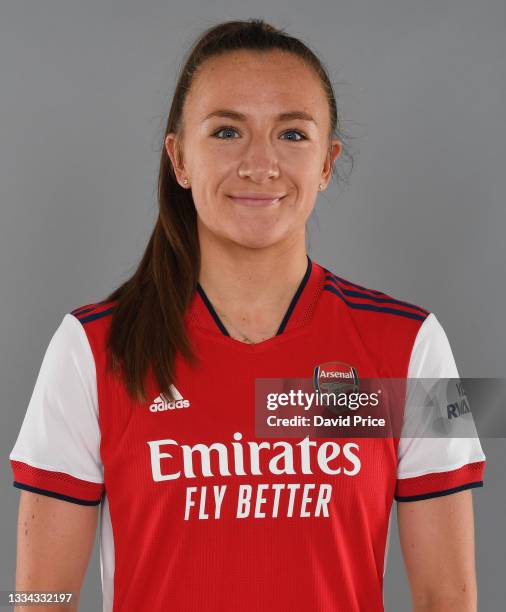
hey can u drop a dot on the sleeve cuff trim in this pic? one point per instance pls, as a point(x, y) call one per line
point(59, 482)
point(75, 500)
point(30, 463)
point(469, 485)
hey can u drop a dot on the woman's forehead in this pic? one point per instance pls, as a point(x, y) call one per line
point(256, 83)
point(269, 65)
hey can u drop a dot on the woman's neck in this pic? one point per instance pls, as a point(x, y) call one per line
point(251, 289)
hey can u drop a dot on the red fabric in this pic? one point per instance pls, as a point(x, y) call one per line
point(173, 550)
point(56, 482)
point(440, 481)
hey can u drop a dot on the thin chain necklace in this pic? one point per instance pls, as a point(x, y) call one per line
point(231, 327)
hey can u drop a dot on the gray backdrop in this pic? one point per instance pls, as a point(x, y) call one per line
point(85, 87)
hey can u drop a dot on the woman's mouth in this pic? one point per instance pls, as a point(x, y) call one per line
point(254, 200)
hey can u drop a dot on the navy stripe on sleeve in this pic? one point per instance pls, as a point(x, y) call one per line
point(469, 485)
point(75, 500)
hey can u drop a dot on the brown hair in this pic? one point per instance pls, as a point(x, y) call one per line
point(147, 327)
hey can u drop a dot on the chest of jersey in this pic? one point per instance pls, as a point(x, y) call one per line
point(193, 485)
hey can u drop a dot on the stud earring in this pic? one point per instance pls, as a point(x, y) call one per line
point(185, 181)
point(320, 186)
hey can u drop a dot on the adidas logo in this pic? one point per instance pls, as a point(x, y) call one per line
point(160, 403)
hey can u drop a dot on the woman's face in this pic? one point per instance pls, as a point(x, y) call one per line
point(236, 143)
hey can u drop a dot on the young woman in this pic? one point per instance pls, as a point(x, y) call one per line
point(145, 402)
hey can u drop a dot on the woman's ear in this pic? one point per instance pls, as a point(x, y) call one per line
point(333, 153)
point(173, 148)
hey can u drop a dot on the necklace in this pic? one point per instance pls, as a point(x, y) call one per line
point(241, 335)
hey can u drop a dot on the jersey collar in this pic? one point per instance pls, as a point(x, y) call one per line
point(203, 314)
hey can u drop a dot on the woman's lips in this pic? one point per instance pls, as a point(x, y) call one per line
point(255, 201)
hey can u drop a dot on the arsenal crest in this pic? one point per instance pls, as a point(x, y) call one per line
point(334, 377)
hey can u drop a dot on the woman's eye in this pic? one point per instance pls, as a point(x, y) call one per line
point(225, 129)
point(302, 137)
point(231, 129)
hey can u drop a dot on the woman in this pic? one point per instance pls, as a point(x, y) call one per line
point(145, 401)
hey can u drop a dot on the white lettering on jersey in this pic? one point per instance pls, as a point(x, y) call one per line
point(255, 500)
point(160, 403)
point(215, 459)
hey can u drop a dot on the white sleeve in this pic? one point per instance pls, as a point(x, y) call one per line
point(443, 455)
point(57, 452)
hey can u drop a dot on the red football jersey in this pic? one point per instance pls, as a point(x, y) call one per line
point(197, 513)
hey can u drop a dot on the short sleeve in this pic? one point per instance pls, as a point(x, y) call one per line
point(57, 451)
point(430, 465)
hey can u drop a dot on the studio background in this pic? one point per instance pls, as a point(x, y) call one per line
point(420, 86)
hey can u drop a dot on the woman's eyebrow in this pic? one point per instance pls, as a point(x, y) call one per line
point(288, 116)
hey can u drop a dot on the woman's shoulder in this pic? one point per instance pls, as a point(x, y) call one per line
point(93, 311)
point(361, 298)
point(91, 321)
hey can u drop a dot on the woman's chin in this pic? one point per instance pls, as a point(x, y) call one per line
point(255, 240)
